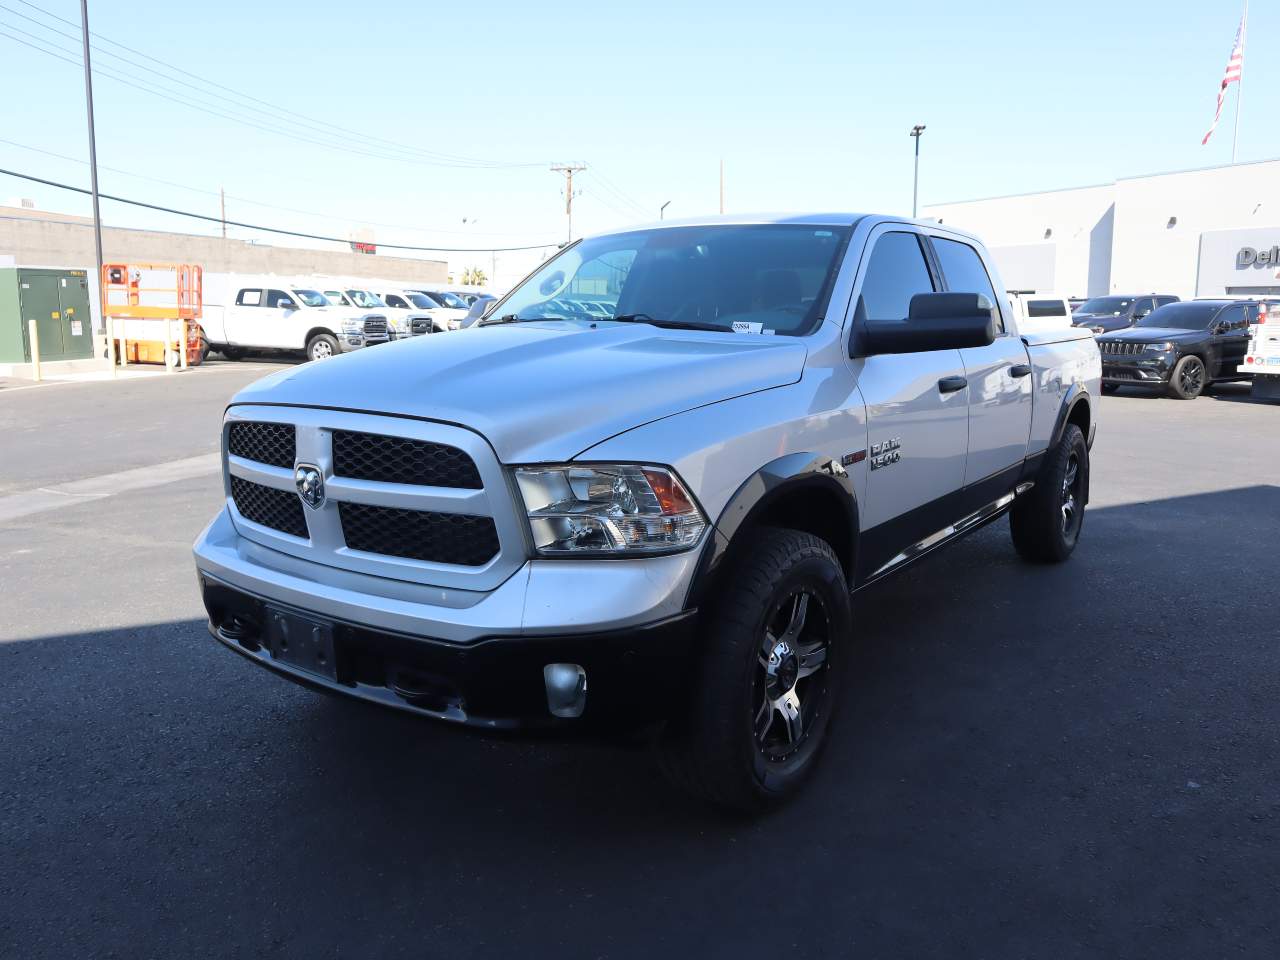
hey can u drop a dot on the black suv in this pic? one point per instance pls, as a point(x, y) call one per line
point(1182, 347)
point(1104, 314)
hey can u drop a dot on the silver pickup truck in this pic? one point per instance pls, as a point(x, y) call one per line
point(656, 519)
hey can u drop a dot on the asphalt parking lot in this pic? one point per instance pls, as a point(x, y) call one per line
point(1076, 761)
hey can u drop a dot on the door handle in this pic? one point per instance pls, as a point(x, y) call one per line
point(1020, 370)
point(952, 384)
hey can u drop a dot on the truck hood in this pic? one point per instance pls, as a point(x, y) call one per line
point(541, 392)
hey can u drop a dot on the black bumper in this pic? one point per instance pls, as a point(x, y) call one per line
point(633, 676)
point(1153, 372)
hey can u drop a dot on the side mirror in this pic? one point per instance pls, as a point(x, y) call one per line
point(935, 321)
point(551, 284)
point(288, 305)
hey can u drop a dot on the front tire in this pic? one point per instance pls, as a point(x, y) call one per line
point(1189, 378)
point(1046, 522)
point(768, 680)
point(322, 346)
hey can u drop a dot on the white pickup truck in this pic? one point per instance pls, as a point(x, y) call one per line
point(270, 313)
point(657, 519)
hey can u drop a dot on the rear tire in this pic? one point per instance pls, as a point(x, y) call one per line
point(769, 675)
point(232, 353)
point(322, 346)
point(1046, 522)
point(1189, 378)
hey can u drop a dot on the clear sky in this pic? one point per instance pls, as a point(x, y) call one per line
point(808, 104)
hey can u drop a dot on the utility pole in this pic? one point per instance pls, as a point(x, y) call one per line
point(1244, 34)
point(916, 131)
point(569, 169)
point(722, 185)
point(222, 196)
point(93, 165)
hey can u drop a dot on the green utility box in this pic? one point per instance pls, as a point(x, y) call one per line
point(57, 300)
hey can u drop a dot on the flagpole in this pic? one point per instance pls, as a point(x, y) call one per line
point(1244, 42)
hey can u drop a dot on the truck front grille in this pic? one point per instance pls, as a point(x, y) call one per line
point(368, 456)
point(375, 327)
point(453, 538)
point(277, 509)
point(1114, 348)
point(419, 326)
point(273, 443)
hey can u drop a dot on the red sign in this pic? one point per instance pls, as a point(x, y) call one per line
point(363, 246)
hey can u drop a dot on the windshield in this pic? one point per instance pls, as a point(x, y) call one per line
point(445, 299)
point(747, 278)
point(337, 296)
point(364, 299)
point(1106, 305)
point(311, 298)
point(1186, 316)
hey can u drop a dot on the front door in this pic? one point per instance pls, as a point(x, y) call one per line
point(1231, 339)
point(917, 408)
point(999, 377)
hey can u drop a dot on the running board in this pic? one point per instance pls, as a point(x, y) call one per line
point(975, 519)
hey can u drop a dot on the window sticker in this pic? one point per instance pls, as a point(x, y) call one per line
point(743, 326)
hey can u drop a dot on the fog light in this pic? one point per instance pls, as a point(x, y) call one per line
point(566, 689)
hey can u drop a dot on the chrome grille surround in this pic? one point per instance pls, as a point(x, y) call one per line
point(326, 543)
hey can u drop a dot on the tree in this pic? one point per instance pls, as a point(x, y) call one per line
point(474, 277)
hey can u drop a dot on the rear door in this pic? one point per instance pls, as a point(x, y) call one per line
point(247, 321)
point(917, 407)
point(999, 376)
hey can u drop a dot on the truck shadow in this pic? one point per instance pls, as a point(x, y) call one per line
point(1025, 756)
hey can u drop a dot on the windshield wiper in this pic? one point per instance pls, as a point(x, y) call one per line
point(515, 318)
point(668, 324)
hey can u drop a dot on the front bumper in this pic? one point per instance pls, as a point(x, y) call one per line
point(357, 341)
point(634, 676)
point(1154, 370)
point(624, 621)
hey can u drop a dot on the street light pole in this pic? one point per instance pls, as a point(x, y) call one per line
point(916, 131)
point(663, 209)
point(93, 163)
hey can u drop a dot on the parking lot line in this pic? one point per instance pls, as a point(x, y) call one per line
point(75, 492)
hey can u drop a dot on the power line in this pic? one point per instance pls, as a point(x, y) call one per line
point(259, 227)
point(449, 159)
point(270, 206)
point(618, 192)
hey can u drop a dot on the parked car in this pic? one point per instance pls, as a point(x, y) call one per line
point(269, 313)
point(1180, 347)
point(1104, 314)
point(414, 313)
point(451, 309)
point(1040, 312)
point(655, 521)
point(1075, 303)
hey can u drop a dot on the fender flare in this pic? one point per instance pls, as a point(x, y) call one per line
point(1076, 394)
point(769, 484)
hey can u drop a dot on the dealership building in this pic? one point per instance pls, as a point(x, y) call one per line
point(1196, 233)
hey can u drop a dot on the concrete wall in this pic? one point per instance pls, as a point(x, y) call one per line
point(1152, 255)
point(1141, 234)
point(1027, 233)
point(33, 238)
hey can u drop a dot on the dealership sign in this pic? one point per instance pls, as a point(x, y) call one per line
point(1249, 257)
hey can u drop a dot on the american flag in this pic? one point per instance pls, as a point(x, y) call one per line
point(1235, 67)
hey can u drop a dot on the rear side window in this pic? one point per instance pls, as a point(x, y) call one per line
point(1046, 308)
point(896, 272)
point(963, 270)
point(249, 298)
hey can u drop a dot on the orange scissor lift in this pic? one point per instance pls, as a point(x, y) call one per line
point(152, 310)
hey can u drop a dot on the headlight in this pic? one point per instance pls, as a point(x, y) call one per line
point(353, 326)
point(1163, 347)
point(453, 324)
point(615, 509)
point(1098, 330)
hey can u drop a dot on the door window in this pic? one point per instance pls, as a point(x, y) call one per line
point(964, 273)
point(1142, 306)
point(249, 298)
point(1234, 320)
point(394, 301)
point(278, 298)
point(896, 272)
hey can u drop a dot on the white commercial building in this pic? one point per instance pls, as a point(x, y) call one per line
point(1205, 233)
